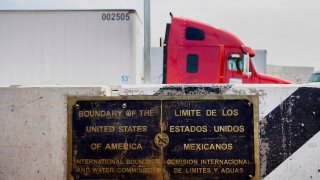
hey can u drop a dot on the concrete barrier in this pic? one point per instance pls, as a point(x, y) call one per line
point(33, 126)
point(33, 130)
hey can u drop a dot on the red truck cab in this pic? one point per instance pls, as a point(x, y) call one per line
point(196, 53)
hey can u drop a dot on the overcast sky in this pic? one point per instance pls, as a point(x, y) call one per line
point(288, 29)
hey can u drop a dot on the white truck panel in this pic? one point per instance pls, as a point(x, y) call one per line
point(156, 65)
point(74, 47)
point(260, 60)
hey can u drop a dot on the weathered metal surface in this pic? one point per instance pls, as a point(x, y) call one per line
point(113, 139)
point(144, 137)
point(290, 125)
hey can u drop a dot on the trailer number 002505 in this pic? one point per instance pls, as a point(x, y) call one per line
point(115, 16)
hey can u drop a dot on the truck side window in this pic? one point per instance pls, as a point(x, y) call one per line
point(194, 34)
point(192, 63)
point(235, 63)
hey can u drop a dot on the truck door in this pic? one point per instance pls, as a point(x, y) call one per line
point(234, 70)
point(189, 56)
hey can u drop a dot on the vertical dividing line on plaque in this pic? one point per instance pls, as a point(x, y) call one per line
point(161, 148)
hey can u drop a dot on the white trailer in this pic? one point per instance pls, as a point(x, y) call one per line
point(70, 47)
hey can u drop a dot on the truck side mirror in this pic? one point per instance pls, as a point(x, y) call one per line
point(246, 65)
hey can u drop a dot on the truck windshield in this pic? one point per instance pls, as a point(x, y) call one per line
point(315, 77)
point(235, 63)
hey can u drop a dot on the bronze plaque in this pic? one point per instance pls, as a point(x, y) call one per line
point(157, 137)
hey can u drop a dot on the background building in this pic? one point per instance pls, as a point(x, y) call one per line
point(294, 74)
